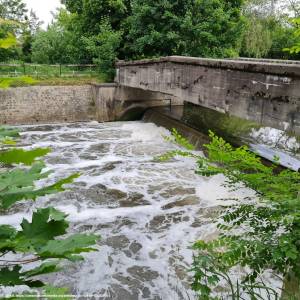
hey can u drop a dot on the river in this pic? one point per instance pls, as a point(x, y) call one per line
point(147, 212)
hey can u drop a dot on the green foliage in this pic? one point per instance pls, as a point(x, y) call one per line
point(7, 134)
point(52, 46)
point(195, 28)
point(40, 240)
point(261, 233)
point(8, 42)
point(18, 184)
point(22, 26)
point(103, 47)
point(102, 30)
point(16, 82)
point(257, 40)
point(180, 140)
point(8, 39)
point(295, 48)
point(267, 30)
point(38, 236)
point(92, 12)
point(18, 156)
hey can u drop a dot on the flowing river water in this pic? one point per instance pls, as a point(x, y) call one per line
point(147, 212)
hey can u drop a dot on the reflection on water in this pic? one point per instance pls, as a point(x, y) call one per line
point(265, 141)
point(148, 213)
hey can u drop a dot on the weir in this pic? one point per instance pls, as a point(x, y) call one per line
point(244, 101)
point(147, 212)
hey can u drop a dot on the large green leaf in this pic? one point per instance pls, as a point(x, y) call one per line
point(45, 268)
point(10, 277)
point(13, 277)
point(7, 236)
point(46, 224)
point(74, 244)
point(21, 178)
point(7, 231)
point(18, 184)
point(6, 132)
point(17, 156)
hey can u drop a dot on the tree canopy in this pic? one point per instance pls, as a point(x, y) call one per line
point(101, 31)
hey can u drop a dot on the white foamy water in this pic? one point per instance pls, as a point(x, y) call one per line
point(269, 142)
point(148, 213)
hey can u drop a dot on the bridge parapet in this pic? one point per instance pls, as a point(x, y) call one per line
point(267, 92)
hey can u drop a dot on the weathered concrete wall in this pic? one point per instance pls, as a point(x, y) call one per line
point(101, 102)
point(115, 102)
point(103, 95)
point(265, 92)
point(46, 104)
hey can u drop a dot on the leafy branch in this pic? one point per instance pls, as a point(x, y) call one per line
point(261, 233)
point(44, 239)
point(296, 48)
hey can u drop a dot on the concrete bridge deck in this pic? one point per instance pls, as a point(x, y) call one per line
point(267, 92)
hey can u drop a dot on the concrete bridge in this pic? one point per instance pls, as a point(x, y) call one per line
point(264, 91)
point(267, 92)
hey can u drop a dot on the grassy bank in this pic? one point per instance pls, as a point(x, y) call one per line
point(24, 81)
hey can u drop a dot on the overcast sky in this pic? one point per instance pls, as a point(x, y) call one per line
point(43, 9)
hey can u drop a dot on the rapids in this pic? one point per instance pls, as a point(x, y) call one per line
point(148, 213)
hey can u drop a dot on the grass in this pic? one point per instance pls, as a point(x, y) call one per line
point(18, 75)
point(24, 81)
point(16, 82)
point(70, 81)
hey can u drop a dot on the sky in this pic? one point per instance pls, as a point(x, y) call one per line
point(43, 9)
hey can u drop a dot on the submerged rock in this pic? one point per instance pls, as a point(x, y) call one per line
point(118, 242)
point(190, 200)
point(142, 273)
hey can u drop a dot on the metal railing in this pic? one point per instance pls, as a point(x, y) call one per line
point(45, 71)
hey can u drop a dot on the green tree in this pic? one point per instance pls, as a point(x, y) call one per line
point(103, 48)
point(257, 39)
point(196, 28)
point(31, 28)
point(13, 10)
point(87, 21)
point(296, 33)
point(91, 13)
point(28, 25)
point(212, 28)
point(7, 41)
point(71, 23)
point(267, 30)
point(52, 46)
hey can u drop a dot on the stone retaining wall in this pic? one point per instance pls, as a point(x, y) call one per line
point(46, 104)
